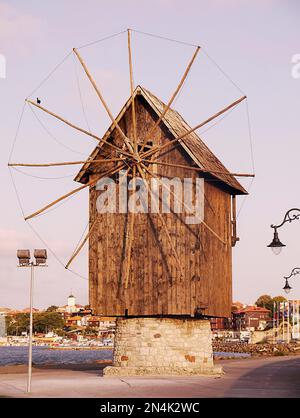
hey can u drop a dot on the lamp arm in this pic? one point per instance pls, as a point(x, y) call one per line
point(296, 270)
point(288, 217)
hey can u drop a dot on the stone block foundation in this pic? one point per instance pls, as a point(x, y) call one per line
point(162, 346)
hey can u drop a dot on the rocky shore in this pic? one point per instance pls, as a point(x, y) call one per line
point(265, 349)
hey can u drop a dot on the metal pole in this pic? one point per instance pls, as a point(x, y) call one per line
point(278, 315)
point(30, 329)
point(298, 319)
point(293, 319)
point(288, 322)
point(274, 321)
point(283, 308)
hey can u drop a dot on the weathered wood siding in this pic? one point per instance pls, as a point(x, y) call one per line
point(155, 284)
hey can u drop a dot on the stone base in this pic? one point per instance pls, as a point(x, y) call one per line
point(161, 371)
point(162, 346)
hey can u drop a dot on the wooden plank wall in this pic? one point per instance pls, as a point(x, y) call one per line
point(155, 284)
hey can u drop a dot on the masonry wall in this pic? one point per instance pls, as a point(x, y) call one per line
point(162, 346)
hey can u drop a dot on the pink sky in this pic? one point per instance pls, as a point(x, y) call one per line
point(253, 41)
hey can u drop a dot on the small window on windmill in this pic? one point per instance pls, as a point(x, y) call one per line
point(146, 147)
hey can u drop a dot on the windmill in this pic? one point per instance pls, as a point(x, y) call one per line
point(150, 265)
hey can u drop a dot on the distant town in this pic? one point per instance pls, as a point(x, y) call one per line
point(71, 325)
point(75, 326)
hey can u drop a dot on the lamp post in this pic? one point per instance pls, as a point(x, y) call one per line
point(287, 288)
point(291, 215)
point(24, 261)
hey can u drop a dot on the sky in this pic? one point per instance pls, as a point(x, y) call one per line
point(253, 44)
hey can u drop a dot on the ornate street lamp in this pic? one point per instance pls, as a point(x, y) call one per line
point(291, 215)
point(287, 288)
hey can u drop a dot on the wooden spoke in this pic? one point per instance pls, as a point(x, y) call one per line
point(109, 160)
point(186, 207)
point(187, 167)
point(128, 242)
point(78, 189)
point(132, 91)
point(164, 225)
point(172, 98)
point(77, 127)
point(161, 147)
point(79, 248)
point(114, 122)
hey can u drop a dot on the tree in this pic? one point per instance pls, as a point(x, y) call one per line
point(278, 299)
point(42, 322)
point(52, 308)
point(16, 324)
point(265, 301)
point(47, 321)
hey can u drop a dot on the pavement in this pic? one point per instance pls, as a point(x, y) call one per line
point(273, 377)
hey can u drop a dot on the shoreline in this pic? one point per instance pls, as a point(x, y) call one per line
point(47, 347)
point(99, 364)
point(23, 368)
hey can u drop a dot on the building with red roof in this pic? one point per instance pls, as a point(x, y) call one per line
point(251, 318)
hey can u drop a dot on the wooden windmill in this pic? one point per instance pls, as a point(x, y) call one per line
point(154, 264)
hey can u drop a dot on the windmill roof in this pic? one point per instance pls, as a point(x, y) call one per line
point(202, 156)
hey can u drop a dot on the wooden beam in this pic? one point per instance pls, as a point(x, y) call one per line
point(78, 189)
point(132, 91)
point(187, 167)
point(234, 237)
point(172, 98)
point(79, 248)
point(188, 208)
point(128, 241)
point(72, 125)
point(109, 160)
point(161, 147)
point(163, 223)
point(114, 122)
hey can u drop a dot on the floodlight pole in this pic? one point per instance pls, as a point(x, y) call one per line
point(30, 329)
point(24, 261)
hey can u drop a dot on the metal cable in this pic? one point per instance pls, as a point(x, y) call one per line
point(101, 40)
point(17, 131)
point(80, 95)
point(50, 74)
point(164, 38)
point(53, 137)
point(44, 178)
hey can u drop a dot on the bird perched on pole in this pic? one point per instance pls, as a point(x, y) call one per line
point(38, 101)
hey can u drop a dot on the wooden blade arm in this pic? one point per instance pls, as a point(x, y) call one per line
point(114, 122)
point(128, 242)
point(172, 98)
point(176, 257)
point(161, 147)
point(72, 125)
point(110, 160)
point(186, 207)
point(132, 91)
point(187, 167)
point(79, 248)
point(90, 183)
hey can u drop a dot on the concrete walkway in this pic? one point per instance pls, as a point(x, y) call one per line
point(263, 377)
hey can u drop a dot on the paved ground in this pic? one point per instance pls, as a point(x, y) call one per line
point(264, 377)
